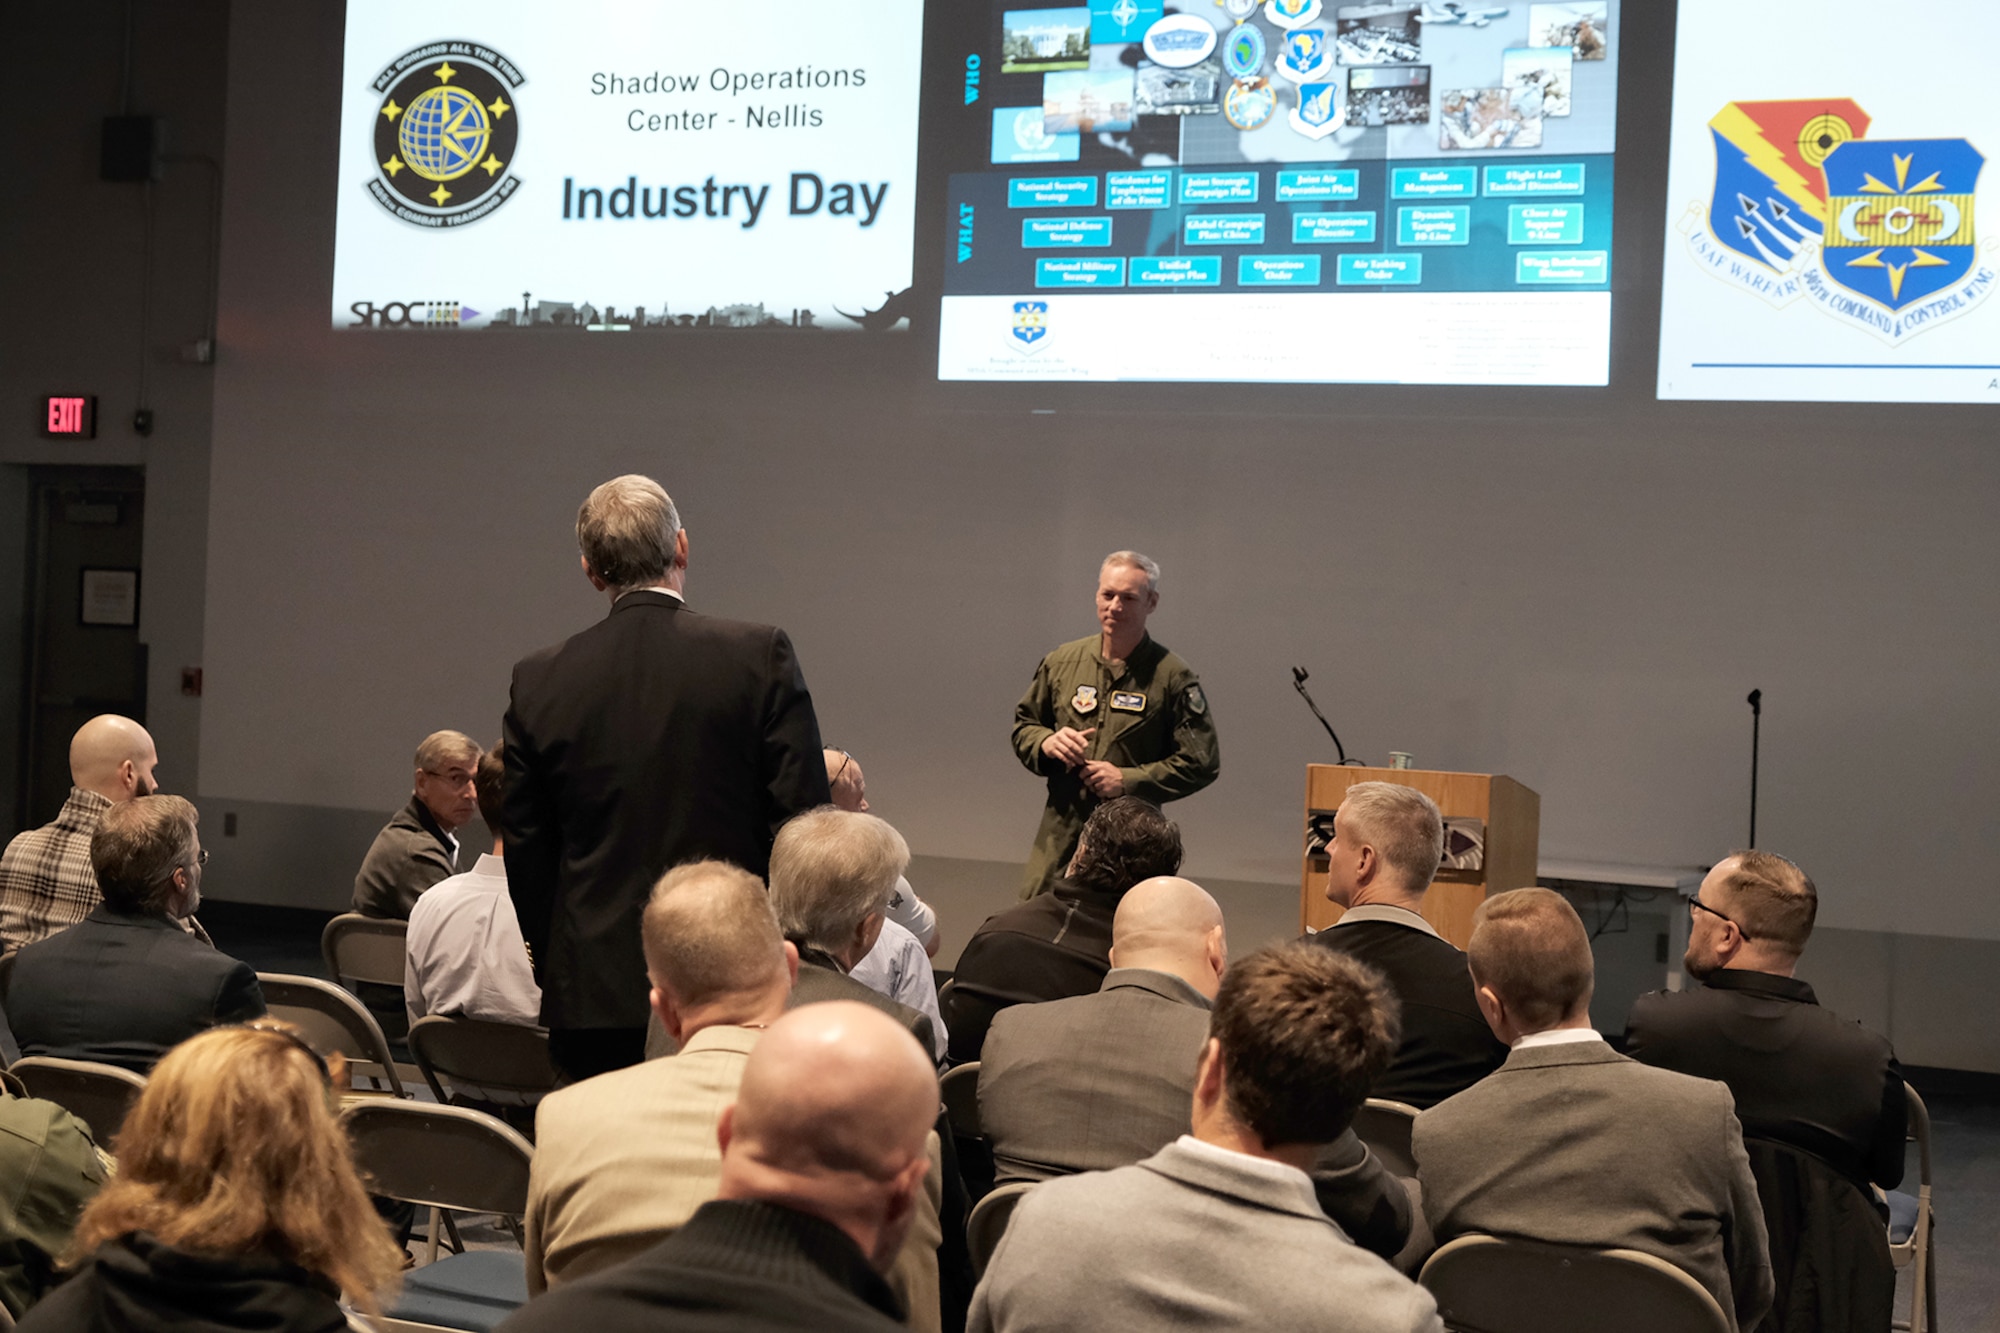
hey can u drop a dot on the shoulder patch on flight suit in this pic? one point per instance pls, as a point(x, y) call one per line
point(1125, 701)
point(1085, 699)
point(1195, 702)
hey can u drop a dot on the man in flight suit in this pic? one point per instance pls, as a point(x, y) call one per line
point(1112, 715)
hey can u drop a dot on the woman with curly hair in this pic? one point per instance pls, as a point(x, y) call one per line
point(236, 1204)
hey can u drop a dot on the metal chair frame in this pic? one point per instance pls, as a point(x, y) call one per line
point(960, 1090)
point(432, 1036)
point(1919, 1250)
point(371, 1123)
point(333, 1020)
point(359, 947)
point(1386, 1127)
point(57, 1080)
point(989, 1219)
point(1485, 1284)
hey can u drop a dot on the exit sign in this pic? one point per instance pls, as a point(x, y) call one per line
point(69, 416)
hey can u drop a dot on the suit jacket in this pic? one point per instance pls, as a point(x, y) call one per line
point(411, 853)
point(624, 1159)
point(655, 737)
point(1576, 1145)
point(124, 989)
point(736, 1265)
point(1049, 947)
point(1800, 1074)
point(1446, 1045)
point(1188, 1239)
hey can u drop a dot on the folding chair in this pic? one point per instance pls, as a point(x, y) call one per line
point(97, 1094)
point(494, 1064)
point(448, 1157)
point(1484, 1284)
point(365, 948)
point(1385, 1127)
point(989, 1220)
point(333, 1020)
point(1914, 1246)
point(960, 1090)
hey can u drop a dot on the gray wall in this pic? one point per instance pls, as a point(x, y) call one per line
point(1576, 588)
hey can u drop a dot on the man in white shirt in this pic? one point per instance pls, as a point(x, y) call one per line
point(466, 956)
point(1220, 1229)
point(1569, 1142)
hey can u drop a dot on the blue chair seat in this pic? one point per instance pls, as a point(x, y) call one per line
point(1902, 1217)
point(474, 1290)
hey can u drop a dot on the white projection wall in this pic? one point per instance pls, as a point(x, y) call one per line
point(1833, 226)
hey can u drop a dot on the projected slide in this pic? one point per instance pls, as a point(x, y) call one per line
point(1282, 190)
point(631, 165)
point(1826, 237)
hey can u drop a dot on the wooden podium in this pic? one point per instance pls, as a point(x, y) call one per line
point(1512, 815)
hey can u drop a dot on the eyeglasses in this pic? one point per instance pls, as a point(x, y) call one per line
point(201, 857)
point(1696, 904)
point(459, 779)
point(845, 760)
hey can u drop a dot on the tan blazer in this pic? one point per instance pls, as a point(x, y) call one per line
point(623, 1159)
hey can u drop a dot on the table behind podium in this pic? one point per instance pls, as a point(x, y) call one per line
point(1509, 815)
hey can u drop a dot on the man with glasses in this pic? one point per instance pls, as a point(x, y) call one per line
point(127, 983)
point(418, 846)
point(1801, 1074)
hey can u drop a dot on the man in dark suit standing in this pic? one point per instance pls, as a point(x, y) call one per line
point(128, 982)
point(1386, 846)
point(655, 737)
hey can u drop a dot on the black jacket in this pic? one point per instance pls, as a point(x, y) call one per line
point(124, 988)
point(655, 737)
point(1446, 1046)
point(136, 1283)
point(734, 1266)
point(1051, 947)
point(1800, 1074)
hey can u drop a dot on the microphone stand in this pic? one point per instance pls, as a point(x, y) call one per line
point(1299, 684)
point(1756, 702)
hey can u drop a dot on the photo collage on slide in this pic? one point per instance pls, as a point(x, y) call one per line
point(1290, 144)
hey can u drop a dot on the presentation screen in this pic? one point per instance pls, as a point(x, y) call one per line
point(629, 165)
point(1281, 190)
point(1825, 239)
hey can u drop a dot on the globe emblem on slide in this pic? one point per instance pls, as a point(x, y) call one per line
point(444, 133)
point(445, 127)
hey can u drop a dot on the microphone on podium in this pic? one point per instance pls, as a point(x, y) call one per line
point(1299, 683)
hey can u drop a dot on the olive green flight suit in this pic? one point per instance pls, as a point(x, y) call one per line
point(1152, 721)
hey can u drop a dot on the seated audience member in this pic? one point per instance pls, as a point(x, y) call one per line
point(128, 982)
point(823, 1166)
point(1386, 846)
point(49, 1169)
point(418, 846)
point(46, 883)
point(1221, 1229)
point(464, 953)
point(1097, 1081)
point(850, 792)
point(832, 872)
point(236, 1204)
point(1574, 1144)
point(1804, 1080)
point(1800, 1074)
point(624, 1158)
point(1059, 944)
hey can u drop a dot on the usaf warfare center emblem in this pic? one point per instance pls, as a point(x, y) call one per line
point(445, 133)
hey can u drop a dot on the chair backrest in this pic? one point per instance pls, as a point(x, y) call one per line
point(1487, 1285)
point(365, 948)
point(332, 1020)
point(502, 1063)
point(440, 1156)
point(989, 1221)
point(960, 1090)
point(97, 1094)
point(1385, 1127)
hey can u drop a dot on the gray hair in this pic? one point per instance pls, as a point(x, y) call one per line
point(831, 868)
point(1401, 824)
point(627, 531)
point(1133, 560)
point(137, 847)
point(441, 747)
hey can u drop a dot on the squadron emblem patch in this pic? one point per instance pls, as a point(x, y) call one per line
point(445, 132)
point(1084, 700)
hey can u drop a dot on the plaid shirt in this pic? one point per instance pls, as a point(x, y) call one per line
point(46, 881)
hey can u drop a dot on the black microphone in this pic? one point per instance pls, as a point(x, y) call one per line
point(1756, 702)
point(1299, 684)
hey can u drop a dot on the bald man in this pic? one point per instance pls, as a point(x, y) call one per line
point(46, 883)
point(1098, 1081)
point(823, 1163)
